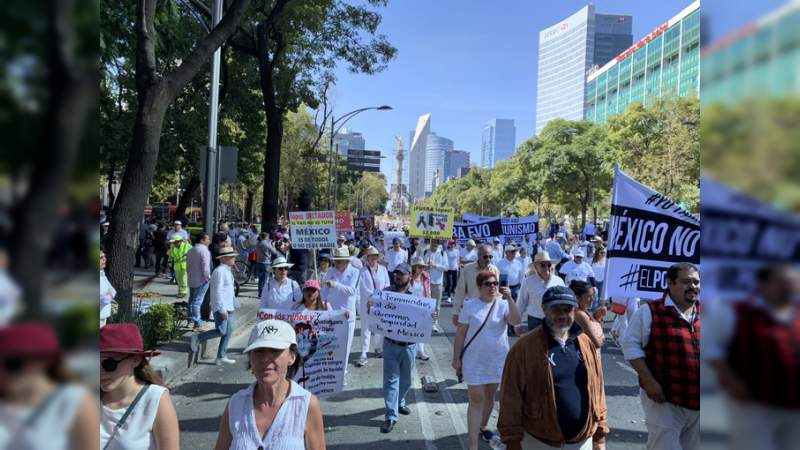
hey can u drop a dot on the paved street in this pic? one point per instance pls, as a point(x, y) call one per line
point(352, 419)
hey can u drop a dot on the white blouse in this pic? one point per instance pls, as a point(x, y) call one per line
point(137, 432)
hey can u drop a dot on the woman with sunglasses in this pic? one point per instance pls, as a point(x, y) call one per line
point(137, 412)
point(39, 407)
point(280, 292)
point(480, 349)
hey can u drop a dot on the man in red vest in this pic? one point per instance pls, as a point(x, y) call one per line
point(663, 345)
point(753, 345)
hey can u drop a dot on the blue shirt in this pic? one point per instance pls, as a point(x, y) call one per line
point(554, 250)
point(570, 381)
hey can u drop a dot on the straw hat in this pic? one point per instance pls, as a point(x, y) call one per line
point(372, 251)
point(542, 257)
point(341, 254)
point(227, 251)
point(280, 261)
point(417, 261)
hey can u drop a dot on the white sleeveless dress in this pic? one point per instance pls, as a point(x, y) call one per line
point(137, 432)
point(51, 429)
point(287, 431)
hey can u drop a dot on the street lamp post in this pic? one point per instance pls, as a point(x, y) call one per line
point(333, 181)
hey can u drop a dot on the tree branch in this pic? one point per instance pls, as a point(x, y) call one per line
point(146, 50)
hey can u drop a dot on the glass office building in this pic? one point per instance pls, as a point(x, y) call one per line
point(759, 60)
point(663, 64)
point(498, 141)
point(566, 51)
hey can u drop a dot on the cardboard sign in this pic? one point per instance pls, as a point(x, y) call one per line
point(344, 222)
point(322, 342)
point(312, 229)
point(402, 317)
point(431, 223)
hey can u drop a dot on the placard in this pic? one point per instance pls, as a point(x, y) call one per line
point(402, 317)
point(312, 229)
point(483, 231)
point(431, 223)
point(344, 222)
point(516, 228)
point(322, 343)
point(363, 223)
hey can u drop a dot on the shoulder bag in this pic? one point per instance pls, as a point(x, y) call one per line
point(125, 415)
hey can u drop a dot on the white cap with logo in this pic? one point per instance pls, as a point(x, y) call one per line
point(271, 334)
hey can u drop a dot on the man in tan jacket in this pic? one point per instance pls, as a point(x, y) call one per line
point(552, 390)
point(467, 287)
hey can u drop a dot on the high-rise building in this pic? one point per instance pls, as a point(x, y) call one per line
point(437, 148)
point(759, 60)
point(347, 140)
point(498, 141)
point(663, 64)
point(566, 51)
point(364, 160)
point(453, 161)
point(417, 158)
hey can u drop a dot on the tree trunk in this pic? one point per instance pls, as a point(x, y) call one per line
point(250, 197)
point(111, 176)
point(274, 116)
point(192, 186)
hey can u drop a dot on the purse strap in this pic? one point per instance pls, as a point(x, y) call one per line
point(126, 414)
point(486, 319)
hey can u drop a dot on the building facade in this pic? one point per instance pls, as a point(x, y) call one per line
point(346, 140)
point(663, 64)
point(364, 160)
point(454, 160)
point(437, 148)
point(498, 141)
point(759, 60)
point(417, 159)
point(566, 51)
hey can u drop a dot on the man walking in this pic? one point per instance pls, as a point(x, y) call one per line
point(160, 248)
point(340, 289)
point(534, 287)
point(395, 255)
point(469, 254)
point(467, 286)
point(198, 265)
point(177, 254)
point(552, 393)
point(663, 346)
point(437, 266)
point(512, 270)
point(223, 303)
point(374, 277)
point(451, 276)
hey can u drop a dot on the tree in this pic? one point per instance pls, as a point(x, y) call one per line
point(367, 195)
point(156, 88)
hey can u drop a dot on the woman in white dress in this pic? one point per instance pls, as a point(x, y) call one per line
point(39, 407)
point(480, 349)
point(274, 412)
point(131, 389)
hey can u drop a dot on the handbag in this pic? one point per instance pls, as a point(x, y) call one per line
point(466, 346)
point(125, 415)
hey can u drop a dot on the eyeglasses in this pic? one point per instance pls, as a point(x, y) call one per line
point(544, 264)
point(110, 364)
point(13, 364)
point(491, 284)
point(282, 268)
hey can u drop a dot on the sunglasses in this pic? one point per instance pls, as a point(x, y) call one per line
point(544, 264)
point(13, 364)
point(110, 364)
point(488, 256)
point(282, 268)
point(491, 284)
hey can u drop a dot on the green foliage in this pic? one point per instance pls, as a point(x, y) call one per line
point(367, 195)
point(157, 325)
point(77, 325)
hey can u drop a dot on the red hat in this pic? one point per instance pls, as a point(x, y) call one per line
point(28, 339)
point(123, 338)
point(313, 284)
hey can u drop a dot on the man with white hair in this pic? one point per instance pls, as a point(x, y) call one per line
point(340, 289)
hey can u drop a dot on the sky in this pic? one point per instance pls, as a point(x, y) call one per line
point(469, 61)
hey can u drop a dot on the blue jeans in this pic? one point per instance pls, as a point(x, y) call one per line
point(398, 362)
point(261, 273)
point(223, 330)
point(196, 296)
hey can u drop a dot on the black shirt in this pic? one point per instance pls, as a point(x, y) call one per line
point(570, 381)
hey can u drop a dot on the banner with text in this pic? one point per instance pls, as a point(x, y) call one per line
point(402, 317)
point(431, 223)
point(344, 222)
point(322, 343)
point(313, 229)
point(516, 228)
point(363, 223)
point(740, 235)
point(472, 218)
point(647, 234)
point(480, 231)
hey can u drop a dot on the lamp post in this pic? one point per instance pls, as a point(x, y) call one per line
point(334, 178)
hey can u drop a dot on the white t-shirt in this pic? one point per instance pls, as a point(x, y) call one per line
point(513, 270)
point(469, 255)
point(599, 271)
point(530, 295)
point(394, 257)
point(484, 358)
point(452, 258)
point(50, 429)
point(437, 262)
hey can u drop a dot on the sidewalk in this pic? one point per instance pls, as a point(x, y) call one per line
point(174, 359)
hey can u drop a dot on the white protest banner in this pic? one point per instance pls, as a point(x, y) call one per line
point(322, 343)
point(480, 231)
point(516, 228)
point(740, 235)
point(647, 234)
point(313, 229)
point(402, 317)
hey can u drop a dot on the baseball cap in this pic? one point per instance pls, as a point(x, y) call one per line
point(578, 253)
point(177, 222)
point(271, 334)
point(559, 295)
point(403, 268)
point(496, 240)
point(311, 284)
point(395, 241)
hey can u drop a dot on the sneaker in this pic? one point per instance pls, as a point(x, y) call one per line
point(194, 343)
point(404, 410)
point(387, 426)
point(361, 362)
point(486, 435)
point(224, 360)
point(447, 302)
point(436, 327)
point(423, 356)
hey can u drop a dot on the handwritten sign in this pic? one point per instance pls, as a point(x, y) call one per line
point(313, 229)
point(402, 317)
point(322, 343)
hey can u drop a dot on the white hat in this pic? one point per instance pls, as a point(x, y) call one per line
point(177, 222)
point(280, 261)
point(511, 248)
point(341, 253)
point(226, 251)
point(271, 334)
point(417, 261)
point(577, 253)
point(471, 242)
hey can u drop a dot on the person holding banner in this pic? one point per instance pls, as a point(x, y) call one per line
point(663, 346)
point(274, 412)
point(280, 292)
point(466, 286)
point(374, 277)
point(340, 289)
point(480, 349)
point(534, 287)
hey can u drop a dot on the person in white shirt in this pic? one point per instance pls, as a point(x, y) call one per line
point(578, 269)
point(437, 263)
point(469, 254)
point(374, 277)
point(497, 249)
point(451, 275)
point(512, 271)
point(177, 230)
point(525, 259)
point(530, 296)
point(340, 289)
point(280, 291)
point(395, 255)
point(223, 303)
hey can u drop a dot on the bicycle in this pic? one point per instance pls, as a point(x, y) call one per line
point(242, 271)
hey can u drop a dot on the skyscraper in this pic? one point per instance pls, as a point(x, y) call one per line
point(349, 140)
point(454, 160)
point(499, 141)
point(566, 51)
point(437, 147)
point(417, 158)
point(663, 64)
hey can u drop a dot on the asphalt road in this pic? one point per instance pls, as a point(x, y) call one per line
point(353, 418)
